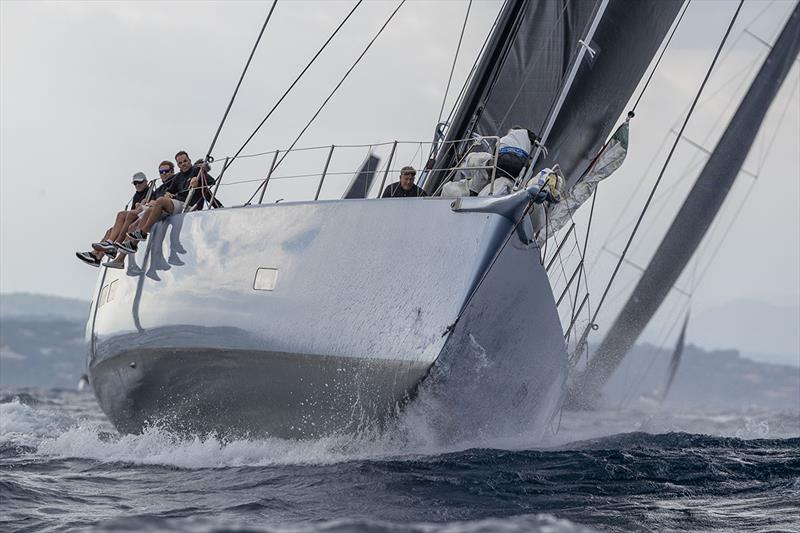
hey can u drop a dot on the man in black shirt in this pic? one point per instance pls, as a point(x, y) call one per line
point(124, 218)
point(173, 199)
point(405, 188)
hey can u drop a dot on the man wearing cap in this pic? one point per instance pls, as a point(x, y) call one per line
point(124, 218)
point(405, 188)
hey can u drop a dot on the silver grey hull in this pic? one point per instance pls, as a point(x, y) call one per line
point(306, 319)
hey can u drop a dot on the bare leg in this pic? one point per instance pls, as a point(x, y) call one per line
point(129, 218)
point(154, 213)
point(118, 222)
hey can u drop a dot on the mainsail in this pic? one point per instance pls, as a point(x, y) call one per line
point(695, 216)
point(523, 71)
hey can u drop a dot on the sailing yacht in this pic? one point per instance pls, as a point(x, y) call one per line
point(288, 320)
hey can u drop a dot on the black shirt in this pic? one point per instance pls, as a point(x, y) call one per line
point(161, 189)
point(394, 190)
point(138, 197)
point(181, 183)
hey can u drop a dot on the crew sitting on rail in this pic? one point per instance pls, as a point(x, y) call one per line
point(405, 188)
point(173, 200)
point(107, 244)
point(124, 246)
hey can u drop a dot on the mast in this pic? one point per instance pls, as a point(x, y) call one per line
point(695, 216)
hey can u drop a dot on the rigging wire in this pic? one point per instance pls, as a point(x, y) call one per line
point(455, 59)
point(239, 84)
point(666, 164)
point(664, 49)
point(296, 80)
point(346, 74)
point(472, 69)
point(613, 233)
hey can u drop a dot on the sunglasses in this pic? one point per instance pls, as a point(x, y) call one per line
point(165, 170)
point(138, 182)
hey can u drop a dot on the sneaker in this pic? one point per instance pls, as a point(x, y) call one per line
point(127, 247)
point(105, 247)
point(115, 263)
point(88, 258)
point(137, 235)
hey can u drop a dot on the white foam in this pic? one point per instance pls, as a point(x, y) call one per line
point(25, 425)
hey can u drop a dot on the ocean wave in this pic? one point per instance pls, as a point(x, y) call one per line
point(529, 523)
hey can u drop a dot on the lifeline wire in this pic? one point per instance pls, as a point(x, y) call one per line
point(297, 79)
point(664, 168)
point(241, 78)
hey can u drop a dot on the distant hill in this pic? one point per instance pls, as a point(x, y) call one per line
point(717, 380)
point(759, 330)
point(28, 305)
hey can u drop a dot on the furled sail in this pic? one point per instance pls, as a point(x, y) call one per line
point(606, 163)
point(523, 71)
point(695, 216)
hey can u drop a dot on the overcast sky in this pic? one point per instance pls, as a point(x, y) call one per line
point(93, 92)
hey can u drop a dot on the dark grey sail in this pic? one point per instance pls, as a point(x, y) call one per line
point(524, 70)
point(363, 178)
point(675, 360)
point(695, 216)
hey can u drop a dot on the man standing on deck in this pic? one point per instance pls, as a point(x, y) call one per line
point(405, 188)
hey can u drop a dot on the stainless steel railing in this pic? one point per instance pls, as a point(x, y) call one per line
point(297, 170)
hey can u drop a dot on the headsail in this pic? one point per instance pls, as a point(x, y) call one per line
point(695, 216)
point(522, 72)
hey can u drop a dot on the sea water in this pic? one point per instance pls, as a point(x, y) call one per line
point(638, 468)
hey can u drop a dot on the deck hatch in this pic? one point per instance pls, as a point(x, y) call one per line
point(265, 279)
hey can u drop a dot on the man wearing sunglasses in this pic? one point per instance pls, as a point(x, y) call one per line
point(124, 218)
point(405, 188)
point(174, 198)
point(122, 245)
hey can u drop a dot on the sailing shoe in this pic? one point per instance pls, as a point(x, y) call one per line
point(127, 247)
point(115, 263)
point(105, 247)
point(137, 235)
point(88, 258)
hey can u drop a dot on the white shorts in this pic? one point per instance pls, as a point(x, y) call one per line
point(177, 206)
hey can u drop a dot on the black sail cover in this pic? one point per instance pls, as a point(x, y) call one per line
point(694, 217)
point(525, 66)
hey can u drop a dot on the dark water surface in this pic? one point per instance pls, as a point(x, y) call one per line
point(63, 466)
